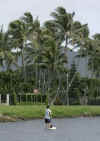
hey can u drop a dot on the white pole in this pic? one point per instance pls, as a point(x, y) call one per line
point(7, 101)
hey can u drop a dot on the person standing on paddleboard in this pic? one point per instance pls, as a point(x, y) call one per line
point(48, 117)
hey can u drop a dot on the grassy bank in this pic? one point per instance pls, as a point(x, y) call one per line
point(13, 113)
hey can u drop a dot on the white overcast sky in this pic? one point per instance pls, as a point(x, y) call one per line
point(87, 11)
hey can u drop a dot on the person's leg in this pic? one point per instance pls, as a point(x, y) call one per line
point(46, 123)
point(49, 124)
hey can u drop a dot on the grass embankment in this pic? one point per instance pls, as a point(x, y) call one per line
point(13, 113)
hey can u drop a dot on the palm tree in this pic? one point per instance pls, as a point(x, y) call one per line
point(66, 29)
point(94, 55)
point(61, 24)
point(53, 56)
point(54, 59)
point(6, 56)
point(17, 36)
point(47, 54)
point(20, 32)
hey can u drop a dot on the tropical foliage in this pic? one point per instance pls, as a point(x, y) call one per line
point(36, 57)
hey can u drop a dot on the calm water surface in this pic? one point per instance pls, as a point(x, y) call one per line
point(75, 129)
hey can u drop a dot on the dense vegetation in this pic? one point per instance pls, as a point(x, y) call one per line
point(35, 57)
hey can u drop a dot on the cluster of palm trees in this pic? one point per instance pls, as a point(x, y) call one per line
point(42, 53)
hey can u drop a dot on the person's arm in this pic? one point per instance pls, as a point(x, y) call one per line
point(50, 113)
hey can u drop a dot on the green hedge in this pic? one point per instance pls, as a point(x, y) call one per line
point(94, 101)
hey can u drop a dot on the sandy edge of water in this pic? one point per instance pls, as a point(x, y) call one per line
point(5, 118)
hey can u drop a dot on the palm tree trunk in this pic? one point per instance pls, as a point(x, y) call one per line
point(66, 41)
point(23, 59)
point(23, 65)
point(67, 92)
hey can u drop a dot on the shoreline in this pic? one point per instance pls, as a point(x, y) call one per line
point(32, 112)
point(4, 119)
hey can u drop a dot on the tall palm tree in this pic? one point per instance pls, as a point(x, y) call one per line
point(53, 56)
point(6, 56)
point(47, 54)
point(94, 55)
point(61, 24)
point(54, 59)
point(20, 31)
point(65, 29)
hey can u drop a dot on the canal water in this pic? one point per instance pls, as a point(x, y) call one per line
point(69, 129)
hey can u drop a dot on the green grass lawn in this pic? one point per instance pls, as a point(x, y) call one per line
point(38, 111)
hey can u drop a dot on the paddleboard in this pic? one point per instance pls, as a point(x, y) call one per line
point(53, 128)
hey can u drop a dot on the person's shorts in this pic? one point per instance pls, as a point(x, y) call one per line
point(47, 120)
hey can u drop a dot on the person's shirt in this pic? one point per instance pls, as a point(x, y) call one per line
point(47, 113)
